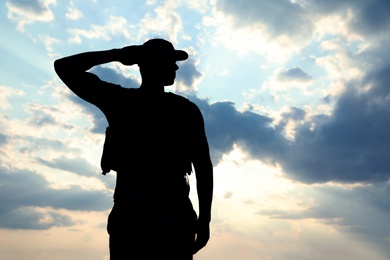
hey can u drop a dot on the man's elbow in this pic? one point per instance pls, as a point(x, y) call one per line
point(59, 66)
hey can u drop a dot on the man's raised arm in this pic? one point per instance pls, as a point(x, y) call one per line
point(72, 70)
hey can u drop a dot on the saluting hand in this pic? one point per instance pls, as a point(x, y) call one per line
point(130, 55)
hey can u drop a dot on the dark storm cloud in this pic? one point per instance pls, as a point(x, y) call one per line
point(280, 17)
point(295, 114)
point(22, 191)
point(331, 6)
point(352, 145)
point(75, 165)
point(294, 74)
point(187, 73)
point(226, 126)
point(3, 139)
point(369, 17)
point(374, 17)
point(112, 76)
point(32, 6)
point(34, 145)
point(99, 120)
point(41, 115)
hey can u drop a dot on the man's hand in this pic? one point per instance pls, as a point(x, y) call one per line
point(202, 230)
point(130, 55)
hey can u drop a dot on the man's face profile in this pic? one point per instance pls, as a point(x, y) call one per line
point(160, 71)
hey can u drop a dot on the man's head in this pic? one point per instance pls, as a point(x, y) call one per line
point(158, 61)
point(159, 50)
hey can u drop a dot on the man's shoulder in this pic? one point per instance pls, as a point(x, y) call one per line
point(181, 100)
point(176, 96)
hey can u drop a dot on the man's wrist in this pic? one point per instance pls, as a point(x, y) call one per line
point(116, 54)
point(204, 219)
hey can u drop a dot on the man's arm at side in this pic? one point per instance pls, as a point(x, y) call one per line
point(204, 181)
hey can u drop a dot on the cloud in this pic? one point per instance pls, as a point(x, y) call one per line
point(226, 126)
point(349, 146)
point(114, 76)
point(99, 121)
point(73, 13)
point(369, 18)
point(5, 93)
point(293, 74)
point(31, 144)
point(188, 76)
point(343, 207)
point(41, 115)
point(274, 29)
point(25, 12)
point(279, 29)
point(366, 17)
point(33, 218)
point(3, 139)
point(373, 18)
point(115, 26)
point(295, 22)
point(352, 144)
point(27, 200)
point(74, 165)
point(164, 23)
point(49, 42)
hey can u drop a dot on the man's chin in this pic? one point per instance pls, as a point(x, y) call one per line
point(169, 83)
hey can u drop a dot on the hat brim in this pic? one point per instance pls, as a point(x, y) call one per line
point(180, 55)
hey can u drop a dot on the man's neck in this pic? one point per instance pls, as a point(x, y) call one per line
point(152, 88)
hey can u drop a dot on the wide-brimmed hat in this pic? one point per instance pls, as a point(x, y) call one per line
point(160, 50)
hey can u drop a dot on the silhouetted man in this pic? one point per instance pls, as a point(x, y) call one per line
point(153, 140)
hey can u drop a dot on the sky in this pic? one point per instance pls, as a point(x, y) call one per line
point(296, 103)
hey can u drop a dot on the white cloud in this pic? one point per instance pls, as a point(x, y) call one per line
point(201, 6)
point(26, 12)
point(73, 13)
point(5, 93)
point(48, 42)
point(116, 25)
point(166, 23)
